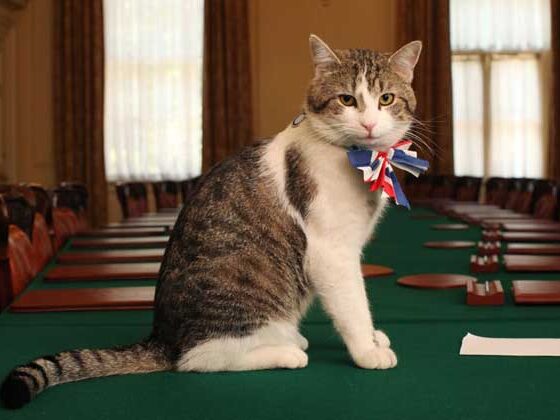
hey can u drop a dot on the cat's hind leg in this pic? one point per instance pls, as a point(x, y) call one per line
point(274, 346)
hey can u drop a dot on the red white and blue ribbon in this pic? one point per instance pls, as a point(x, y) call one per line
point(378, 168)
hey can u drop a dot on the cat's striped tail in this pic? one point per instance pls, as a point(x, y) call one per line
point(25, 382)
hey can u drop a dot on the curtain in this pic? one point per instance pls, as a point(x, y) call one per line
point(468, 116)
point(516, 141)
point(227, 114)
point(500, 25)
point(554, 140)
point(78, 99)
point(428, 21)
point(153, 117)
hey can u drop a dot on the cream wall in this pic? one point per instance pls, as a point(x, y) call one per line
point(279, 45)
point(26, 135)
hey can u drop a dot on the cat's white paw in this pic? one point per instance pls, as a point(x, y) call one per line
point(377, 358)
point(381, 339)
point(293, 358)
point(302, 342)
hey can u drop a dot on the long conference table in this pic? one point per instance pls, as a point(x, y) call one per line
point(431, 380)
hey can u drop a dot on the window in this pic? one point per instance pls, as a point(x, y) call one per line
point(498, 94)
point(153, 89)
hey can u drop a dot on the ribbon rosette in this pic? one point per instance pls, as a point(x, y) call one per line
point(378, 168)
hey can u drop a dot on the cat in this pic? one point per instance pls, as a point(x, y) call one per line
point(265, 232)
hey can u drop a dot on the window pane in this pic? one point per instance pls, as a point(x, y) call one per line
point(516, 139)
point(468, 128)
point(500, 25)
point(153, 89)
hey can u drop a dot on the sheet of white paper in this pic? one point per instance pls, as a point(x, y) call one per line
point(474, 345)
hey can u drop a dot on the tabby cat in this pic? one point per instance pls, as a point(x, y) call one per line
point(265, 231)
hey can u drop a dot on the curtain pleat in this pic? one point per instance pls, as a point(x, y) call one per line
point(78, 99)
point(428, 21)
point(554, 141)
point(227, 110)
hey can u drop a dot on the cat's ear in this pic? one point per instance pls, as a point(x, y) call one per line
point(321, 52)
point(403, 61)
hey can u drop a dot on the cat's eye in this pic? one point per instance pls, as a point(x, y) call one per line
point(347, 100)
point(386, 99)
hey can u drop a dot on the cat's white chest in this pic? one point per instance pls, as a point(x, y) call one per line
point(344, 210)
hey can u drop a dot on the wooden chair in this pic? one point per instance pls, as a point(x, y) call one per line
point(515, 189)
point(524, 202)
point(43, 231)
point(546, 200)
point(77, 198)
point(497, 191)
point(166, 195)
point(18, 263)
point(189, 187)
point(133, 199)
point(467, 188)
point(68, 214)
point(442, 187)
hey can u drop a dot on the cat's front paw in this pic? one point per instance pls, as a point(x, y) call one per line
point(376, 357)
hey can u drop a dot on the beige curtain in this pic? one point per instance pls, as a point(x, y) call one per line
point(78, 99)
point(428, 21)
point(227, 114)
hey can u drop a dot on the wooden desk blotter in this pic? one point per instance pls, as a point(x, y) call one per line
point(537, 292)
point(531, 237)
point(125, 232)
point(487, 293)
point(533, 249)
point(449, 244)
point(450, 226)
point(527, 263)
point(484, 264)
point(76, 273)
point(435, 281)
point(372, 270)
point(489, 248)
point(112, 256)
point(532, 227)
point(101, 299)
point(104, 243)
point(139, 225)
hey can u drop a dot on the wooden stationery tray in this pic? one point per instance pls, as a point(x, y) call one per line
point(531, 236)
point(532, 262)
point(484, 264)
point(536, 291)
point(112, 256)
point(147, 241)
point(491, 235)
point(533, 249)
point(487, 293)
point(98, 299)
point(489, 248)
point(125, 232)
point(76, 273)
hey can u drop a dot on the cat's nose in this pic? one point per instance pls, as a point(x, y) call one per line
point(369, 127)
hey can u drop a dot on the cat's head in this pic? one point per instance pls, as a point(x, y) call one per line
point(361, 97)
